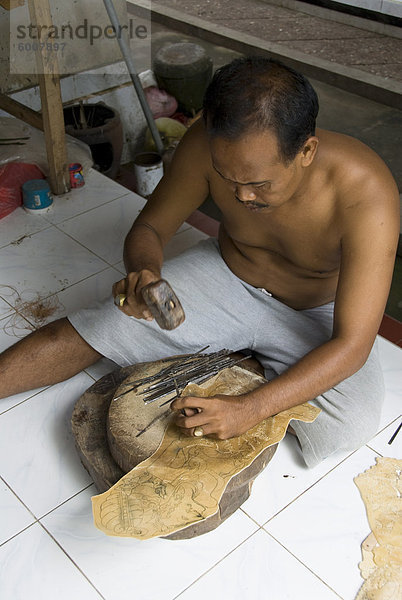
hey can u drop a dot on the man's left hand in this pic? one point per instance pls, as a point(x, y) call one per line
point(220, 416)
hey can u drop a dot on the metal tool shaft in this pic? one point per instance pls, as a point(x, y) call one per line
point(193, 368)
point(126, 52)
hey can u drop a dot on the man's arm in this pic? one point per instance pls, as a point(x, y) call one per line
point(182, 190)
point(370, 225)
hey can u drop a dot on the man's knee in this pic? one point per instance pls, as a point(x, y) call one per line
point(59, 336)
point(349, 418)
point(353, 423)
point(56, 330)
point(322, 438)
point(357, 402)
point(352, 435)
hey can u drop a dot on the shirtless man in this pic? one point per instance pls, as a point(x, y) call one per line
point(300, 276)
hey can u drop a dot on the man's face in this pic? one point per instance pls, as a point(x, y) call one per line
point(252, 168)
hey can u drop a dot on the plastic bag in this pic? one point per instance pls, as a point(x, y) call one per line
point(160, 102)
point(12, 176)
point(22, 143)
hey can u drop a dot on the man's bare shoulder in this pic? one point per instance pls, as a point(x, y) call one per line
point(366, 195)
point(358, 175)
point(189, 167)
point(194, 146)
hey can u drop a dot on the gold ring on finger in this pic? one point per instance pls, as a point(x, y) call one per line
point(119, 299)
point(198, 432)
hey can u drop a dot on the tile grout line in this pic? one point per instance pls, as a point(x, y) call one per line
point(6, 301)
point(376, 451)
point(67, 287)
point(27, 235)
point(328, 472)
point(302, 563)
point(250, 517)
point(25, 506)
point(384, 428)
point(305, 490)
point(217, 563)
point(109, 264)
point(83, 246)
point(21, 314)
point(25, 399)
point(48, 224)
point(35, 522)
point(313, 484)
point(37, 519)
point(65, 501)
point(71, 559)
point(84, 212)
point(381, 431)
point(287, 549)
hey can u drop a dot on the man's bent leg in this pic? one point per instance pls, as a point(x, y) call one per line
point(217, 316)
point(350, 414)
point(49, 355)
point(223, 316)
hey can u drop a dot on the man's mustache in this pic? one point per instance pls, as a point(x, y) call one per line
point(253, 204)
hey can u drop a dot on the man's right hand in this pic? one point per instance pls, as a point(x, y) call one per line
point(131, 286)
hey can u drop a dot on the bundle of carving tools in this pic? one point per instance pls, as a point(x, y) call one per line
point(189, 368)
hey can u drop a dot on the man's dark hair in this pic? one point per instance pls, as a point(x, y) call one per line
point(254, 94)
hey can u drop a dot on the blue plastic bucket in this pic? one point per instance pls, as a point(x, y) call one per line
point(36, 196)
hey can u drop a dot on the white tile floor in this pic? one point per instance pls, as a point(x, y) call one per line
point(297, 536)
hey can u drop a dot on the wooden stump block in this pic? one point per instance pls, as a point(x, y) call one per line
point(127, 417)
point(104, 437)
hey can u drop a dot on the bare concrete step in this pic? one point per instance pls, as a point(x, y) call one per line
point(359, 61)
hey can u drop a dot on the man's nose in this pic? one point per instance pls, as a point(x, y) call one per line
point(245, 193)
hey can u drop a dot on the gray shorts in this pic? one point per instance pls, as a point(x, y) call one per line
point(225, 312)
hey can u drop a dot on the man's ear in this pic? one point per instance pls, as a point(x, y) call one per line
point(309, 151)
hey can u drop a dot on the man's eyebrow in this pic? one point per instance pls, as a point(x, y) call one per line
point(238, 182)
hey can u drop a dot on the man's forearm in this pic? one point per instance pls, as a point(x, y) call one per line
point(317, 372)
point(143, 249)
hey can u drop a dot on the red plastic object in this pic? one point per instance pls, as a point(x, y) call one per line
point(12, 176)
point(76, 175)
